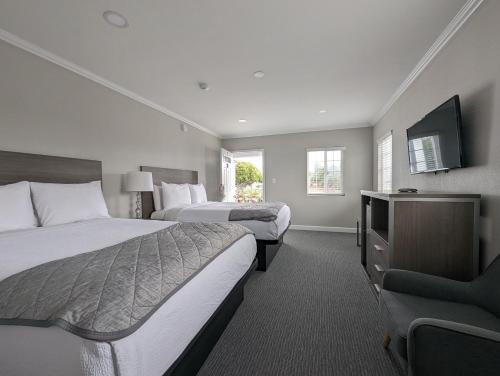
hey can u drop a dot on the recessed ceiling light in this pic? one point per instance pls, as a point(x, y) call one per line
point(322, 111)
point(115, 19)
point(242, 121)
point(259, 74)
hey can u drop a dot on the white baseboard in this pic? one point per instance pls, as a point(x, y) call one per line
point(349, 230)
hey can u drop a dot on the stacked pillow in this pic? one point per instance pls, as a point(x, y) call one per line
point(168, 196)
point(198, 193)
point(16, 209)
point(54, 204)
point(175, 195)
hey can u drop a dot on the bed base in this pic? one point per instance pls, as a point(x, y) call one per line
point(267, 249)
point(195, 354)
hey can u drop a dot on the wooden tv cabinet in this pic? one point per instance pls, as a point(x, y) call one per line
point(433, 233)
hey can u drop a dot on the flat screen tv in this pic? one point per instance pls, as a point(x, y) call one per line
point(434, 143)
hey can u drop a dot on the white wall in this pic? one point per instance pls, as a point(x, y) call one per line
point(285, 159)
point(469, 66)
point(46, 109)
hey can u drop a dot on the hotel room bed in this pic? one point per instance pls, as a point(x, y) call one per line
point(219, 212)
point(173, 340)
point(268, 233)
point(152, 348)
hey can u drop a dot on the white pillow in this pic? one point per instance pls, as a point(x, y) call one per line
point(198, 193)
point(157, 201)
point(16, 208)
point(175, 195)
point(56, 204)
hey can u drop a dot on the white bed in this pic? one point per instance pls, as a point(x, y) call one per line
point(150, 350)
point(219, 212)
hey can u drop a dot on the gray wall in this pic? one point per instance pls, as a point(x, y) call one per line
point(285, 159)
point(469, 66)
point(48, 110)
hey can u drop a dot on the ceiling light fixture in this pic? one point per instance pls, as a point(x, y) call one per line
point(242, 121)
point(259, 74)
point(322, 111)
point(203, 86)
point(115, 19)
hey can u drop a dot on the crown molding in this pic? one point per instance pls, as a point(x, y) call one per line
point(456, 23)
point(302, 130)
point(75, 68)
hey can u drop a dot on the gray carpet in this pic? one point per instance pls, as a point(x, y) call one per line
point(311, 313)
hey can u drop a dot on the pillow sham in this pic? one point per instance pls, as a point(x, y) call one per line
point(16, 211)
point(198, 193)
point(157, 201)
point(175, 195)
point(57, 204)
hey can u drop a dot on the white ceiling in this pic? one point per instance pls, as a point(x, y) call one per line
point(347, 57)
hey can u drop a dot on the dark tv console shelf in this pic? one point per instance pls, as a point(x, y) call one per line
point(433, 233)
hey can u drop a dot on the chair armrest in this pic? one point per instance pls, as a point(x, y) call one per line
point(426, 285)
point(449, 348)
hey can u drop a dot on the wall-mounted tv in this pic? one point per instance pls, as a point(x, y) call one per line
point(434, 143)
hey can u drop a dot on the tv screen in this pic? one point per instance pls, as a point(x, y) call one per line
point(434, 143)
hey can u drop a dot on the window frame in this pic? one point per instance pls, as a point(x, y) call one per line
point(380, 169)
point(342, 149)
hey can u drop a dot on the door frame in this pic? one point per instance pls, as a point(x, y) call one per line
point(263, 167)
point(222, 187)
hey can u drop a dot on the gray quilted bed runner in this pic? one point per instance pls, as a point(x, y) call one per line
point(107, 294)
point(264, 211)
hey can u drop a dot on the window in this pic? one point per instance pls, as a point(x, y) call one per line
point(384, 146)
point(325, 171)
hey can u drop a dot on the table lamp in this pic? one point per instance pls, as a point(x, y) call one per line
point(139, 181)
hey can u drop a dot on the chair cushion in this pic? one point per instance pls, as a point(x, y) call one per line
point(399, 310)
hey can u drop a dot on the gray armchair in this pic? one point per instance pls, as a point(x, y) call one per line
point(441, 326)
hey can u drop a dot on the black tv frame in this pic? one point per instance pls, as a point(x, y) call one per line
point(458, 114)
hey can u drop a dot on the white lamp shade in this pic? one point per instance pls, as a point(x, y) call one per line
point(139, 181)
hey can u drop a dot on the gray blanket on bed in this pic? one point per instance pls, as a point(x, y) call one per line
point(107, 294)
point(264, 211)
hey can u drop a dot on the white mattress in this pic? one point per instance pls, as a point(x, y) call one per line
point(219, 212)
point(148, 351)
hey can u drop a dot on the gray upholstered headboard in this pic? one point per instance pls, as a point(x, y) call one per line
point(168, 175)
point(15, 167)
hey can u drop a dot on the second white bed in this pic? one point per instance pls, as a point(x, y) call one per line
point(219, 212)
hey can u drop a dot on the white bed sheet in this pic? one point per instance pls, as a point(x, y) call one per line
point(219, 212)
point(148, 351)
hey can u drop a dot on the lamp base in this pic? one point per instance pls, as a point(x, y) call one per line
point(138, 206)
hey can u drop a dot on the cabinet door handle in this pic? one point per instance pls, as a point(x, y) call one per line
point(378, 248)
point(378, 268)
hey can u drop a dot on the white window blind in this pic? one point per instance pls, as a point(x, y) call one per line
point(384, 147)
point(325, 171)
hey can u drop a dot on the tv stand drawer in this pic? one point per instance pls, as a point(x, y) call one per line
point(379, 250)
